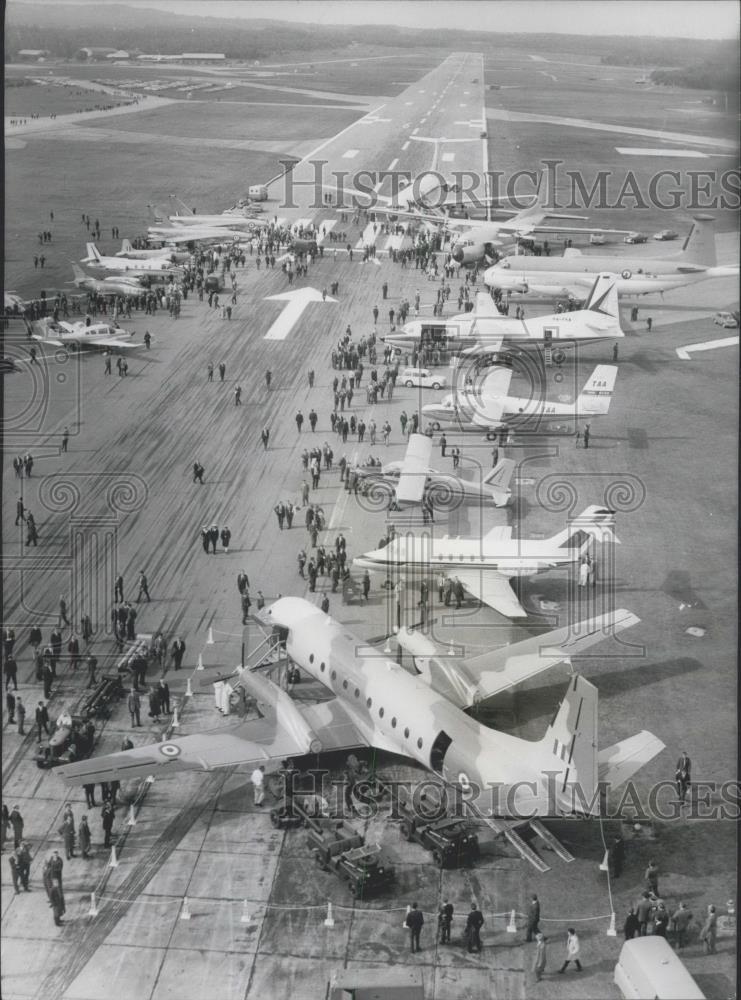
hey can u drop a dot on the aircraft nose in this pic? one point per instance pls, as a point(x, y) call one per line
point(458, 255)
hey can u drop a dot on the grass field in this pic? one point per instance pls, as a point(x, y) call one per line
point(207, 120)
point(60, 99)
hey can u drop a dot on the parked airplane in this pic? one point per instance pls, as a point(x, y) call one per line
point(233, 218)
point(379, 704)
point(121, 265)
point(485, 330)
point(476, 239)
point(411, 480)
point(489, 407)
point(61, 334)
point(569, 274)
point(163, 253)
point(173, 233)
point(105, 286)
point(485, 565)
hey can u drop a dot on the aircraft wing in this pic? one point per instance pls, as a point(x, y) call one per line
point(500, 669)
point(493, 588)
point(110, 342)
point(47, 340)
point(414, 469)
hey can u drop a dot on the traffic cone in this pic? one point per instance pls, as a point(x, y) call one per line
point(329, 921)
point(611, 932)
point(185, 912)
point(189, 689)
point(175, 721)
point(245, 918)
point(210, 640)
point(131, 821)
point(113, 863)
point(200, 662)
point(93, 911)
point(512, 925)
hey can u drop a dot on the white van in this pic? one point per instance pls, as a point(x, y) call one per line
point(649, 969)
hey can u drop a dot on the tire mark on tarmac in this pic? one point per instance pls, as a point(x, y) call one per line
point(85, 941)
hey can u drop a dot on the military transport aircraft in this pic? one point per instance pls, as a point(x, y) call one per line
point(422, 716)
point(412, 481)
point(486, 565)
point(571, 273)
point(485, 329)
point(489, 408)
point(165, 253)
point(119, 285)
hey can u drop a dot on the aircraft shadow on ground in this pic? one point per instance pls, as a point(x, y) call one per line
point(536, 703)
point(678, 586)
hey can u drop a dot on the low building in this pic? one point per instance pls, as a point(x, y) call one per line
point(93, 52)
point(120, 54)
point(33, 55)
point(203, 57)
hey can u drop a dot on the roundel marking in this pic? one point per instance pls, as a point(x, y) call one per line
point(626, 274)
point(170, 750)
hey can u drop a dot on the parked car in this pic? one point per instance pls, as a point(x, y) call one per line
point(666, 234)
point(597, 239)
point(422, 377)
point(635, 238)
point(727, 320)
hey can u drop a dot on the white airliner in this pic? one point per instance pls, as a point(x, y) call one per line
point(61, 334)
point(122, 265)
point(485, 330)
point(571, 273)
point(161, 253)
point(485, 565)
point(488, 407)
point(411, 480)
point(377, 703)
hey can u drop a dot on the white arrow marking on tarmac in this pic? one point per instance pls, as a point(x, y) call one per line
point(709, 345)
point(296, 301)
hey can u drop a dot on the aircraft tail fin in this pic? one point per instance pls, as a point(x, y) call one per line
point(594, 523)
point(699, 247)
point(126, 246)
point(484, 307)
point(78, 272)
point(603, 298)
point(570, 749)
point(498, 480)
point(156, 215)
point(92, 251)
point(595, 398)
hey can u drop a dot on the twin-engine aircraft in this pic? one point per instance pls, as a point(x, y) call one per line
point(486, 565)
point(60, 334)
point(485, 330)
point(412, 481)
point(152, 266)
point(377, 703)
point(489, 407)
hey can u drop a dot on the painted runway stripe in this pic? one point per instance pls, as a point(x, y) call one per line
point(392, 164)
point(350, 154)
point(708, 345)
point(405, 146)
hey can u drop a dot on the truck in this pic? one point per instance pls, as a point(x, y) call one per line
point(338, 847)
point(451, 840)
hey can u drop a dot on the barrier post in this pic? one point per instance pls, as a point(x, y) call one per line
point(245, 918)
point(188, 689)
point(113, 863)
point(131, 821)
point(512, 925)
point(210, 640)
point(611, 932)
point(185, 912)
point(93, 911)
point(200, 662)
point(329, 920)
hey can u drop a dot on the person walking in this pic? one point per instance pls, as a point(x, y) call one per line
point(143, 587)
point(63, 610)
point(85, 838)
point(415, 922)
point(238, 395)
point(586, 435)
point(643, 913)
point(177, 652)
point(265, 437)
point(107, 815)
point(573, 951)
point(632, 925)
point(16, 821)
point(539, 959)
point(65, 438)
point(118, 594)
point(42, 719)
point(681, 920)
point(20, 711)
point(652, 878)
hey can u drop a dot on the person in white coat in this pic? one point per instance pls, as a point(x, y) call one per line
point(572, 950)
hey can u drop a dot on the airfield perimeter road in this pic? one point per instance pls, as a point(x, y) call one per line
point(122, 499)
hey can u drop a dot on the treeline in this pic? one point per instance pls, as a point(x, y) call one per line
point(702, 76)
point(64, 28)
